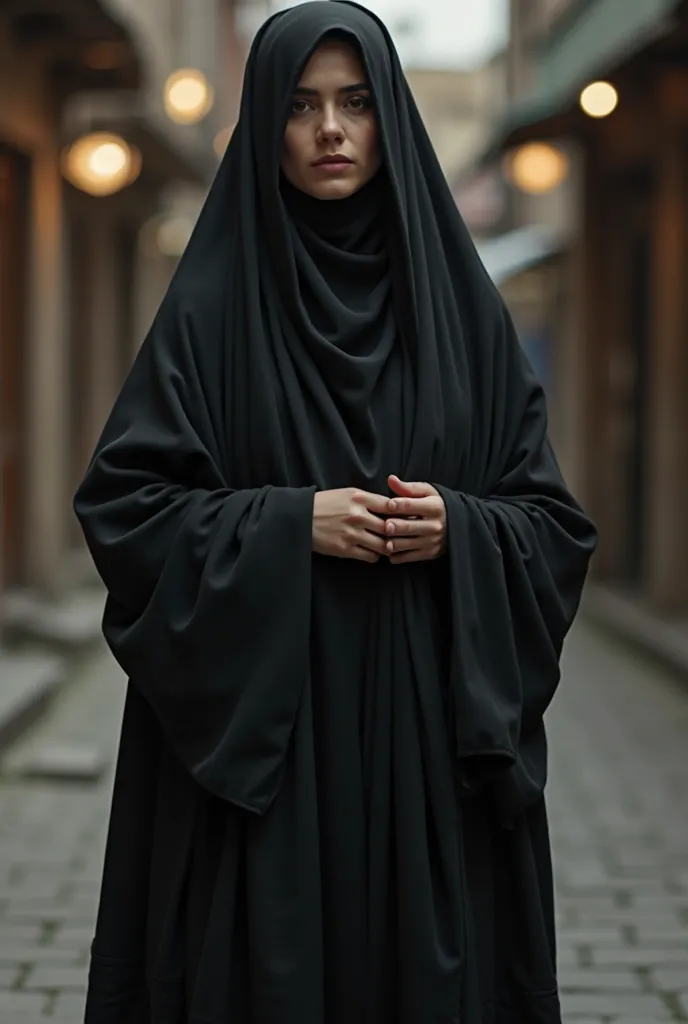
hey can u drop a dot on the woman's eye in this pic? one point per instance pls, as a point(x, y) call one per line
point(359, 102)
point(299, 106)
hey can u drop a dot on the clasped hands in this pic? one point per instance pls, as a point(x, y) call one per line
point(409, 527)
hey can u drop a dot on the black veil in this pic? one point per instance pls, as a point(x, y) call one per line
point(283, 360)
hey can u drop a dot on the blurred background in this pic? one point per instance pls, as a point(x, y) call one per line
point(562, 128)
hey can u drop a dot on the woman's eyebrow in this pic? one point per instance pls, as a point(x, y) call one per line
point(303, 90)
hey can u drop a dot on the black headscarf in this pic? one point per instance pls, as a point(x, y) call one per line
point(307, 345)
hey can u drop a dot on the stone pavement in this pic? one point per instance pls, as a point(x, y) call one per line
point(618, 808)
point(51, 842)
point(618, 805)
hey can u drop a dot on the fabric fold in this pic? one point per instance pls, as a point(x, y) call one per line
point(517, 561)
point(209, 591)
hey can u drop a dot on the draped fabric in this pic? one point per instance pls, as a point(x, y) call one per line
point(329, 798)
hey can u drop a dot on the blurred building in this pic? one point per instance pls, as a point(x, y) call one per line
point(594, 143)
point(455, 106)
point(91, 226)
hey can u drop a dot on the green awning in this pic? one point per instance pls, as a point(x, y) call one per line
point(532, 118)
point(597, 37)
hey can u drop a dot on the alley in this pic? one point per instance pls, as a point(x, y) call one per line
point(619, 743)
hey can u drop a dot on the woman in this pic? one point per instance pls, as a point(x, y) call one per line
point(329, 800)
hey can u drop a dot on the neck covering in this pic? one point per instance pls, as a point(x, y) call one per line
point(321, 759)
point(347, 320)
point(341, 253)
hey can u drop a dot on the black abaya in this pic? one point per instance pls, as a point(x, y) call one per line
point(329, 800)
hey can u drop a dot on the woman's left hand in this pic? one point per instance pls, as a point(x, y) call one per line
point(420, 532)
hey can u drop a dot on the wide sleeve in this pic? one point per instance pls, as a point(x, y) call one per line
point(208, 608)
point(518, 552)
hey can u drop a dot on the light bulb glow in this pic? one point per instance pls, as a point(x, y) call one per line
point(101, 163)
point(537, 168)
point(188, 96)
point(599, 99)
point(107, 160)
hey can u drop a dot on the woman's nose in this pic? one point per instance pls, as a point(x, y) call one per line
point(330, 125)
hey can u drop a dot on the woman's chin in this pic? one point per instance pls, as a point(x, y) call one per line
point(335, 189)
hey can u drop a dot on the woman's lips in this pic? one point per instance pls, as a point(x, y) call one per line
point(333, 166)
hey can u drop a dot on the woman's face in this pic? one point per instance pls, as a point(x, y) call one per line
point(332, 116)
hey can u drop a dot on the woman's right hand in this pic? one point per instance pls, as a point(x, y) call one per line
point(346, 524)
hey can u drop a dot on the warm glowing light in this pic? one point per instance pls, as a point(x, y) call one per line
point(101, 163)
point(599, 99)
point(537, 168)
point(188, 96)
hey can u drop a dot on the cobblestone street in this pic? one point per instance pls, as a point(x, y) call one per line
point(618, 808)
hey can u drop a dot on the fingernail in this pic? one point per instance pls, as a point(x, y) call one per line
point(393, 506)
point(390, 527)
